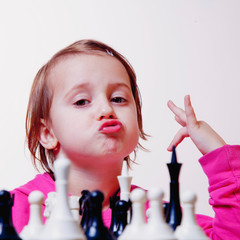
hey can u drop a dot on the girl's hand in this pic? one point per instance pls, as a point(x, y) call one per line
point(202, 135)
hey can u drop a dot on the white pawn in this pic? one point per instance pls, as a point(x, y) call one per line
point(61, 224)
point(124, 182)
point(157, 228)
point(137, 228)
point(35, 224)
point(189, 230)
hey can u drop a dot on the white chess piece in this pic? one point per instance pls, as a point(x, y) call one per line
point(35, 224)
point(137, 228)
point(189, 230)
point(74, 207)
point(157, 228)
point(124, 182)
point(50, 202)
point(61, 224)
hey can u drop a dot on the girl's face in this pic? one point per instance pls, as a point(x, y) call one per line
point(93, 114)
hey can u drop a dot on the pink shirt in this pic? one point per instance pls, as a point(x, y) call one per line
point(222, 168)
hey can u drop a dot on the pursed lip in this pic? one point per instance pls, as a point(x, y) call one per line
point(110, 126)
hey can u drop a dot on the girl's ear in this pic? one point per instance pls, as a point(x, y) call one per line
point(47, 137)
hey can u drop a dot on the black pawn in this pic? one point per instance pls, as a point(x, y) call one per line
point(7, 230)
point(95, 228)
point(84, 208)
point(122, 208)
point(174, 212)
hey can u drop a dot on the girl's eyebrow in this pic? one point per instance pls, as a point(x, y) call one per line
point(87, 85)
point(76, 88)
point(118, 85)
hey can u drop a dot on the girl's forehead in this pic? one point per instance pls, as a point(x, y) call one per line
point(87, 67)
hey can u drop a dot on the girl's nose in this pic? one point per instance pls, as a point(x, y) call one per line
point(106, 117)
point(106, 112)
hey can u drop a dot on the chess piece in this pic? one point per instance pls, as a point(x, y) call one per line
point(157, 228)
point(61, 224)
point(164, 205)
point(174, 212)
point(50, 202)
point(189, 230)
point(114, 220)
point(35, 224)
point(95, 227)
point(137, 228)
point(7, 230)
point(124, 182)
point(74, 207)
point(84, 209)
point(121, 209)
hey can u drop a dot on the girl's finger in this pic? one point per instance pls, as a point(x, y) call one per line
point(190, 114)
point(180, 121)
point(178, 138)
point(178, 112)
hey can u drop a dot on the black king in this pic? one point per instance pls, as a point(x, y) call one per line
point(174, 212)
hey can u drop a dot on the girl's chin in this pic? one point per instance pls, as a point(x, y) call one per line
point(105, 158)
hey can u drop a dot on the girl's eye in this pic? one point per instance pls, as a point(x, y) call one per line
point(118, 100)
point(82, 102)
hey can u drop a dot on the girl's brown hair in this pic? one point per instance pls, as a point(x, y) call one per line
point(41, 98)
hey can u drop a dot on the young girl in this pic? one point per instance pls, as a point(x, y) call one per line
point(85, 104)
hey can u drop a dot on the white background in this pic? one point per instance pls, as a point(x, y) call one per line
point(176, 47)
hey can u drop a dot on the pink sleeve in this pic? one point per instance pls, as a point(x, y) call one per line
point(222, 168)
point(20, 210)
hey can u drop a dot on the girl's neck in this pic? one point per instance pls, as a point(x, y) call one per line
point(104, 179)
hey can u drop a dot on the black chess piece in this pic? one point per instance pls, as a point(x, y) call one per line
point(165, 208)
point(7, 230)
point(114, 223)
point(174, 212)
point(84, 208)
point(95, 227)
point(122, 208)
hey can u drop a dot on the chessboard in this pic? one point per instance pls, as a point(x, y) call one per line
point(80, 218)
